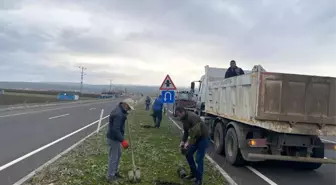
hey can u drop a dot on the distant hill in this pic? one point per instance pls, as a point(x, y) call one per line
point(64, 86)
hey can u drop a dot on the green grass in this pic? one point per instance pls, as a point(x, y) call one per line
point(156, 150)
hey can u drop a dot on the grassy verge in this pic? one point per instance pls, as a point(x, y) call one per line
point(156, 151)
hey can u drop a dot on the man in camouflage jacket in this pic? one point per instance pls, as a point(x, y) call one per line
point(195, 139)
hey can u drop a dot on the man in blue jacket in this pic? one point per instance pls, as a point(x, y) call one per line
point(157, 111)
point(115, 139)
point(233, 70)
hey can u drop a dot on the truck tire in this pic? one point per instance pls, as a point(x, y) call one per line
point(219, 139)
point(317, 153)
point(211, 132)
point(232, 151)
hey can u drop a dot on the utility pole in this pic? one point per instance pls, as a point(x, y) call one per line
point(82, 77)
point(110, 85)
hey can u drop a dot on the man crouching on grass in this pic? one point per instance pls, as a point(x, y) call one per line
point(115, 139)
point(195, 139)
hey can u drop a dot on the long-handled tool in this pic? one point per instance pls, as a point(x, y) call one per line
point(133, 175)
point(181, 171)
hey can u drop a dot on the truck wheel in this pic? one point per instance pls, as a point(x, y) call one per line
point(232, 151)
point(219, 138)
point(210, 130)
point(317, 153)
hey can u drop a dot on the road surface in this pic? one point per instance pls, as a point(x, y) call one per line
point(275, 172)
point(25, 131)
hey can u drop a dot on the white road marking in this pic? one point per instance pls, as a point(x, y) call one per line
point(220, 169)
point(45, 146)
point(31, 174)
point(92, 109)
point(231, 181)
point(269, 181)
point(45, 110)
point(63, 115)
point(170, 111)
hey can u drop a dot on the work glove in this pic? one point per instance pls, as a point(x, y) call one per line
point(124, 144)
point(183, 151)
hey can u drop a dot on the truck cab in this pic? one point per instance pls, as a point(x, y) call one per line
point(184, 99)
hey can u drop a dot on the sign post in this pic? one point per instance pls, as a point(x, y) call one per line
point(168, 90)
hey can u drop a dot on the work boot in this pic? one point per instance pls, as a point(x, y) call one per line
point(112, 180)
point(118, 175)
point(197, 182)
point(189, 177)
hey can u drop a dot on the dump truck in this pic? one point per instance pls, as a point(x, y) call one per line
point(184, 99)
point(263, 115)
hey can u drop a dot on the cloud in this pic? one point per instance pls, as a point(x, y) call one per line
point(139, 42)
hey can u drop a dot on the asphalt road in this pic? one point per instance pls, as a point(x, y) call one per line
point(24, 131)
point(275, 172)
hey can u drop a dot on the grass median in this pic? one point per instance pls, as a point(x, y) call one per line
point(156, 154)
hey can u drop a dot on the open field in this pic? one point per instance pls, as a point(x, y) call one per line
point(157, 155)
point(51, 92)
point(12, 97)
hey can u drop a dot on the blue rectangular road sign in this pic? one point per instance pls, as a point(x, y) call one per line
point(168, 96)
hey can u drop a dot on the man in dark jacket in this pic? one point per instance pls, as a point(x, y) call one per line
point(148, 102)
point(233, 70)
point(115, 138)
point(195, 139)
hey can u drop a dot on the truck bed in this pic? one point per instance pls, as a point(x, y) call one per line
point(286, 103)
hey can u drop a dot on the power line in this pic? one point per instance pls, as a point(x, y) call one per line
point(82, 77)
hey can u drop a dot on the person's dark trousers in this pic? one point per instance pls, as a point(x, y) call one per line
point(147, 106)
point(157, 117)
point(200, 148)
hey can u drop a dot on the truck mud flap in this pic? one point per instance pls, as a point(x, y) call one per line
point(291, 158)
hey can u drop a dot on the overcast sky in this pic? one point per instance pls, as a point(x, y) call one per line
point(140, 41)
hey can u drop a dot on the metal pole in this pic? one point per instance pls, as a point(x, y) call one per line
point(82, 78)
point(110, 85)
point(100, 119)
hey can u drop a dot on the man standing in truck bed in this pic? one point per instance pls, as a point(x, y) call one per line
point(233, 70)
point(195, 139)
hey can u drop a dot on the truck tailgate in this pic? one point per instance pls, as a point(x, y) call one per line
point(296, 98)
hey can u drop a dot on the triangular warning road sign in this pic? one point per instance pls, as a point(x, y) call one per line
point(168, 84)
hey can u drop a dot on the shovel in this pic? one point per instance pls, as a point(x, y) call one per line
point(133, 175)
